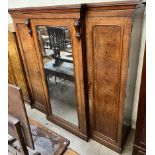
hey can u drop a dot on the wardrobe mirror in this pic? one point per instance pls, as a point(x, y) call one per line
point(56, 50)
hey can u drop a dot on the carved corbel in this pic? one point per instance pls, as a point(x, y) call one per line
point(77, 26)
point(27, 23)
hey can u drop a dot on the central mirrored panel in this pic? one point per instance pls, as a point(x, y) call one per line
point(56, 50)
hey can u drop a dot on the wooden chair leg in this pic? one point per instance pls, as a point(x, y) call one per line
point(55, 79)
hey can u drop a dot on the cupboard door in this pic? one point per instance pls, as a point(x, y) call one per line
point(31, 65)
point(62, 67)
point(106, 75)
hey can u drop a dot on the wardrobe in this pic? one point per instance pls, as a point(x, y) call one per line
point(80, 62)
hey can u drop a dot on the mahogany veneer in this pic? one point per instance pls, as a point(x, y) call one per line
point(106, 43)
point(16, 74)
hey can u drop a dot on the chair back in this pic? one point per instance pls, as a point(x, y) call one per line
point(16, 108)
point(56, 38)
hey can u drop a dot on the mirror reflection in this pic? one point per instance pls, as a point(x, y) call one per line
point(56, 50)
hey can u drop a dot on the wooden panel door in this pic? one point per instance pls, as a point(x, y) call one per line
point(61, 90)
point(106, 78)
point(107, 57)
point(31, 64)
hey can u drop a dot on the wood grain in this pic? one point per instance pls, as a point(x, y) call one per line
point(46, 141)
point(70, 152)
point(11, 78)
point(15, 130)
point(33, 70)
point(113, 62)
point(106, 51)
point(101, 64)
point(16, 108)
point(16, 66)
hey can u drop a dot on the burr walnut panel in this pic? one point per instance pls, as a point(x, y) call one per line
point(106, 51)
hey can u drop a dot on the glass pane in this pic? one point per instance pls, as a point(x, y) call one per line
point(56, 50)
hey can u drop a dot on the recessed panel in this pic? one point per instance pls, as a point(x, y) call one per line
point(31, 62)
point(106, 55)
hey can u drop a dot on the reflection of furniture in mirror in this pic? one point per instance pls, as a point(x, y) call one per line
point(93, 94)
point(64, 71)
point(139, 147)
point(61, 71)
point(44, 140)
point(15, 67)
point(56, 42)
point(53, 40)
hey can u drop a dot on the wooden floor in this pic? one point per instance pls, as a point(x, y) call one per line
point(70, 152)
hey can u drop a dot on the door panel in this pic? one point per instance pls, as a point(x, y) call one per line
point(31, 63)
point(62, 68)
point(106, 82)
point(106, 43)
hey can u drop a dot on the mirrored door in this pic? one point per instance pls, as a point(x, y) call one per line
point(59, 49)
point(56, 50)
